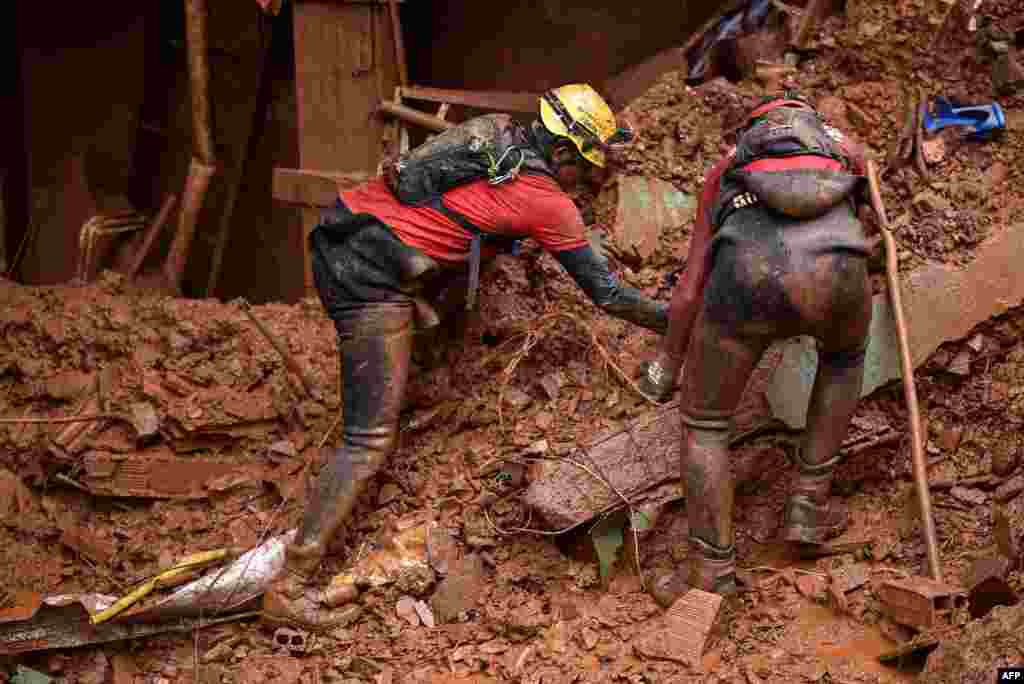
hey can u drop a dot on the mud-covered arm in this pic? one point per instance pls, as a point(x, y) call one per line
point(689, 290)
point(590, 271)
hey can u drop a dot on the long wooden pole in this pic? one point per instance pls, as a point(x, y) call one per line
point(203, 166)
point(909, 390)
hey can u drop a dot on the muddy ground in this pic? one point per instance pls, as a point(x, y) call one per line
point(239, 434)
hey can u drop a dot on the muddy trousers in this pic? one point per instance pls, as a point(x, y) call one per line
point(746, 308)
point(374, 324)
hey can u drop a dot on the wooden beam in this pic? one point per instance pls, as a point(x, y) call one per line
point(312, 188)
point(481, 99)
point(414, 116)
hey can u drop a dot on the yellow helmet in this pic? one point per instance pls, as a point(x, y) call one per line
point(577, 112)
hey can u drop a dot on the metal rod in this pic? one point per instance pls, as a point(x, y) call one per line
point(909, 389)
point(503, 101)
point(414, 116)
point(154, 229)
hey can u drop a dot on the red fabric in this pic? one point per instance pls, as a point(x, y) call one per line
point(689, 289)
point(531, 205)
point(803, 161)
point(775, 104)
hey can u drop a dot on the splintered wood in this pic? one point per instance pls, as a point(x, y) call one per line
point(633, 460)
point(686, 630)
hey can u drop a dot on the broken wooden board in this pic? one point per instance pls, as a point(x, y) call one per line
point(163, 477)
point(642, 455)
point(641, 460)
point(941, 302)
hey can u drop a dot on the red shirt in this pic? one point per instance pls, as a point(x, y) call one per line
point(531, 205)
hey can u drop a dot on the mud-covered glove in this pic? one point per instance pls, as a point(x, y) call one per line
point(591, 273)
point(657, 382)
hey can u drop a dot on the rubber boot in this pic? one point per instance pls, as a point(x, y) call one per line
point(711, 565)
point(375, 345)
point(809, 519)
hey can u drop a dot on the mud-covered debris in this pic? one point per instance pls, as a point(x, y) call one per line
point(145, 421)
point(960, 364)
point(849, 577)
point(291, 640)
point(161, 477)
point(16, 500)
point(972, 656)
point(442, 549)
point(988, 585)
point(811, 586)
point(345, 616)
point(402, 561)
point(125, 669)
point(971, 497)
point(921, 602)
point(86, 542)
point(517, 399)
point(388, 493)
point(285, 448)
point(1009, 489)
point(1005, 460)
point(460, 590)
point(278, 670)
point(405, 608)
point(684, 631)
point(339, 592)
point(647, 207)
point(1005, 535)
point(425, 614)
point(636, 459)
point(1008, 72)
point(552, 384)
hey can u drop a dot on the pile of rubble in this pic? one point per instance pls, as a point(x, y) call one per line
point(139, 430)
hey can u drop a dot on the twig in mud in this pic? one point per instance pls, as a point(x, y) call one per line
point(288, 359)
point(67, 419)
point(73, 483)
point(782, 571)
point(514, 530)
point(606, 482)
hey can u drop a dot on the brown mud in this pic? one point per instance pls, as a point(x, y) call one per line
point(238, 436)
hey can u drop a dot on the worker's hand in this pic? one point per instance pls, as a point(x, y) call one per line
point(656, 382)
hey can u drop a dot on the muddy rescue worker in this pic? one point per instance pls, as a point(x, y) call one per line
point(462, 196)
point(777, 251)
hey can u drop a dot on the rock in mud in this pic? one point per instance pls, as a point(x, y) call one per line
point(460, 591)
point(983, 645)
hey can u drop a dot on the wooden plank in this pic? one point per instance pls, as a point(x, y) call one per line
point(481, 99)
point(414, 116)
point(311, 188)
point(344, 66)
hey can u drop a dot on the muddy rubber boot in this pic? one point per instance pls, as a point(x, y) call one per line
point(375, 345)
point(709, 568)
point(809, 517)
point(293, 601)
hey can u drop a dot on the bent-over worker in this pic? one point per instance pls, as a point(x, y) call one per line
point(453, 199)
point(777, 251)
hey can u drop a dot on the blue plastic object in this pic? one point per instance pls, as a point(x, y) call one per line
point(983, 120)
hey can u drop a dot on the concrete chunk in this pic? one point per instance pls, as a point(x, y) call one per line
point(647, 207)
